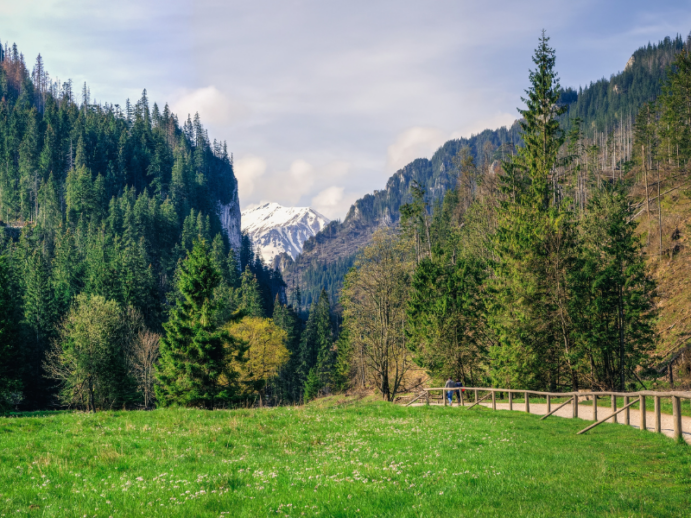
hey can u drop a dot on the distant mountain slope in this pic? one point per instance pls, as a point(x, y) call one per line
point(274, 229)
point(327, 256)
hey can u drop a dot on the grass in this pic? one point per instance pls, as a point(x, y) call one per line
point(335, 458)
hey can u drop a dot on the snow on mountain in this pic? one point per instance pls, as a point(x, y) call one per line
point(275, 229)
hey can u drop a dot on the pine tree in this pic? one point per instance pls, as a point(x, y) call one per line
point(195, 354)
point(447, 317)
point(534, 244)
point(287, 319)
point(612, 302)
point(9, 380)
point(250, 296)
point(316, 343)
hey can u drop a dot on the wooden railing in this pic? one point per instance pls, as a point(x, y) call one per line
point(573, 398)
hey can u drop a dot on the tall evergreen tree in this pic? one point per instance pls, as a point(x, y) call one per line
point(195, 354)
point(287, 319)
point(612, 303)
point(315, 356)
point(250, 296)
point(9, 378)
point(534, 244)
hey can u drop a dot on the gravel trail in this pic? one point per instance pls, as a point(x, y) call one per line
point(585, 412)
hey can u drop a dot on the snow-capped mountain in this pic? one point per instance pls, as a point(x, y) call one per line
point(275, 229)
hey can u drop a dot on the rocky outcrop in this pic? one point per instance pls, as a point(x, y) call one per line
point(281, 262)
point(630, 63)
point(230, 216)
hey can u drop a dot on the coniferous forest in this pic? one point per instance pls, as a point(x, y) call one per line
point(532, 262)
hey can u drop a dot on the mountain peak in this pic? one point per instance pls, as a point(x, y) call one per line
point(275, 229)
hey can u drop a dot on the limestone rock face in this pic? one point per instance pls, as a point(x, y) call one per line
point(630, 63)
point(230, 216)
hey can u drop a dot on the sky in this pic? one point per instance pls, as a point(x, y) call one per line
point(320, 101)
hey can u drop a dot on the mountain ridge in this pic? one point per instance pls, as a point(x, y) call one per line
point(274, 229)
point(327, 256)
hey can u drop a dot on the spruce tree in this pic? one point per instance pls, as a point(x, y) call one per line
point(534, 245)
point(316, 345)
point(195, 354)
point(9, 364)
point(285, 317)
point(250, 295)
point(612, 303)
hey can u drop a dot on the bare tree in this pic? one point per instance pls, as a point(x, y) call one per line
point(144, 356)
point(375, 297)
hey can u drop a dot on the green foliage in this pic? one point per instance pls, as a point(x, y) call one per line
point(193, 369)
point(289, 387)
point(603, 103)
point(315, 357)
point(675, 123)
point(89, 358)
point(523, 285)
point(447, 317)
point(9, 378)
point(107, 201)
point(250, 296)
point(313, 384)
point(612, 293)
point(343, 366)
point(534, 244)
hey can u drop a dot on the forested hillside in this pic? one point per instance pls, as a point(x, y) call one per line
point(326, 257)
point(98, 200)
point(563, 269)
point(601, 108)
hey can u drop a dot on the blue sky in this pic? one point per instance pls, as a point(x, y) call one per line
point(321, 101)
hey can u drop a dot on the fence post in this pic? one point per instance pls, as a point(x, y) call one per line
point(594, 407)
point(614, 407)
point(476, 395)
point(549, 404)
point(642, 424)
point(494, 400)
point(676, 413)
point(427, 397)
point(627, 421)
point(658, 426)
point(443, 395)
point(460, 398)
point(527, 403)
point(574, 407)
point(510, 400)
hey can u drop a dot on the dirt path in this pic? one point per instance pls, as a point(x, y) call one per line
point(585, 412)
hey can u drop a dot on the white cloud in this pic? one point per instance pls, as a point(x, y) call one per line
point(248, 171)
point(496, 121)
point(416, 142)
point(302, 173)
point(213, 106)
point(326, 200)
point(332, 203)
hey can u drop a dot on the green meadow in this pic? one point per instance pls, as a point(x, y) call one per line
point(336, 457)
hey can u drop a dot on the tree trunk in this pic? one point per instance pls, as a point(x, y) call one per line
point(659, 207)
point(91, 406)
point(621, 339)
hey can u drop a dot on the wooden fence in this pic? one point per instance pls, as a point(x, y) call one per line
point(630, 399)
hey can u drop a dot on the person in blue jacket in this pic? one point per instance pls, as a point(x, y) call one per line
point(459, 384)
point(450, 383)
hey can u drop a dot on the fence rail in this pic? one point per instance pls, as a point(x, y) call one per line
point(639, 397)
